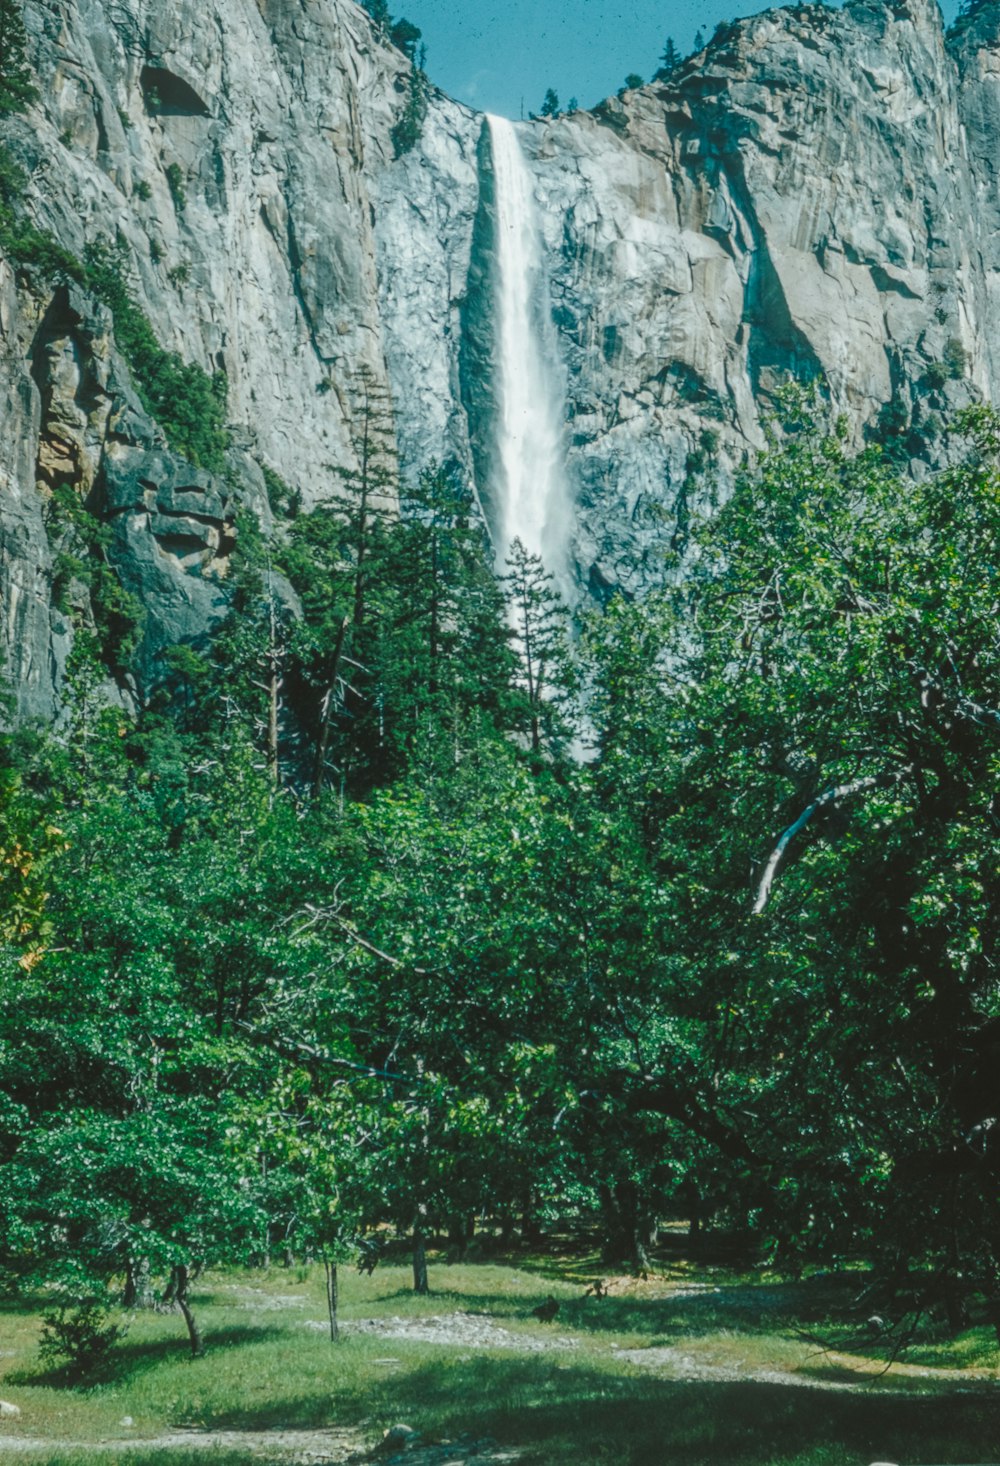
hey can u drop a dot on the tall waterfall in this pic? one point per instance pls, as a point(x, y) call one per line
point(529, 486)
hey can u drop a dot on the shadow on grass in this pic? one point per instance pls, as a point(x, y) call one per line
point(751, 1310)
point(566, 1414)
point(132, 1358)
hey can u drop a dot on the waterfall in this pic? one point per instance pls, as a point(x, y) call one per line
point(529, 488)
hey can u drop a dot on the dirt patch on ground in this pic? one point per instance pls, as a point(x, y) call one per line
point(460, 1330)
point(287, 1447)
point(329, 1447)
point(261, 1301)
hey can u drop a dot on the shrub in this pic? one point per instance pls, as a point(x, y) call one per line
point(175, 182)
point(936, 375)
point(956, 359)
point(189, 404)
point(79, 1335)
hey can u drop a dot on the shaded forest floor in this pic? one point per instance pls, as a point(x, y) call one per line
point(694, 1365)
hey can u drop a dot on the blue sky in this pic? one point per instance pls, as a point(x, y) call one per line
point(493, 55)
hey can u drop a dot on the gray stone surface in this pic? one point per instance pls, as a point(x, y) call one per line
point(816, 193)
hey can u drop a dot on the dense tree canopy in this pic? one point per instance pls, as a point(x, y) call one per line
point(343, 931)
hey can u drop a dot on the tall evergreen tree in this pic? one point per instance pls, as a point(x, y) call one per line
point(669, 61)
point(17, 90)
point(540, 623)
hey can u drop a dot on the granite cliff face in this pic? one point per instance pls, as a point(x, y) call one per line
point(816, 193)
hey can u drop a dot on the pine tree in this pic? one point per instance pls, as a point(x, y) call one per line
point(539, 619)
point(669, 61)
point(550, 107)
point(17, 90)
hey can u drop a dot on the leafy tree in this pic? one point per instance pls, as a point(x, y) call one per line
point(550, 106)
point(806, 744)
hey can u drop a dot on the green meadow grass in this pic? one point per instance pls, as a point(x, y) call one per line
point(265, 1370)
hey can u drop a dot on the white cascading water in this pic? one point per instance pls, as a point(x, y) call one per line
point(529, 477)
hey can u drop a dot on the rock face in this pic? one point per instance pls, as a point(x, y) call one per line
point(815, 194)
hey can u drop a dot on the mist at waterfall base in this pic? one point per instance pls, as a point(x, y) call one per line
point(503, 58)
point(529, 491)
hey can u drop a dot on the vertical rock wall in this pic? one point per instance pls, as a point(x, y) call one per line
point(816, 194)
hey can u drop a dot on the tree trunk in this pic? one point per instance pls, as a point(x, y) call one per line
point(332, 1298)
point(628, 1228)
point(138, 1290)
point(326, 722)
point(419, 1263)
point(461, 1231)
point(531, 1232)
point(180, 1280)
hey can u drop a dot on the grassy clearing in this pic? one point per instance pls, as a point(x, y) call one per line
point(591, 1402)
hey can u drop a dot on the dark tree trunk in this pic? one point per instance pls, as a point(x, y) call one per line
point(461, 1231)
point(138, 1290)
point(419, 1263)
point(531, 1232)
point(326, 719)
point(629, 1229)
point(332, 1298)
point(956, 1309)
point(180, 1280)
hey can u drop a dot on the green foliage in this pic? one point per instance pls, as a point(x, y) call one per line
point(283, 500)
point(669, 61)
point(956, 359)
point(19, 239)
point(175, 182)
point(335, 934)
point(379, 12)
point(937, 375)
point(550, 104)
point(408, 126)
point(17, 90)
point(143, 190)
point(541, 636)
point(188, 403)
point(405, 36)
point(80, 1336)
point(80, 542)
point(817, 668)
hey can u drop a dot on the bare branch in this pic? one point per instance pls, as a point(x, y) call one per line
point(933, 694)
point(831, 796)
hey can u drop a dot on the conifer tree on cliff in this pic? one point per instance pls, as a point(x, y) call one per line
point(16, 87)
